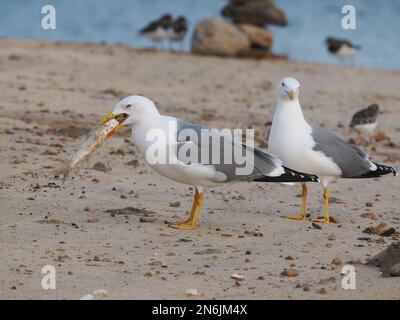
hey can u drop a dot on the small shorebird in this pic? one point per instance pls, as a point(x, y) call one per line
point(315, 150)
point(175, 138)
point(341, 48)
point(366, 120)
point(157, 30)
point(178, 30)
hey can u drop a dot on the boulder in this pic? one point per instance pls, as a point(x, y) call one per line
point(388, 260)
point(256, 12)
point(219, 37)
point(259, 37)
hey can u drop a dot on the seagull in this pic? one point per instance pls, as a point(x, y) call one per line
point(341, 48)
point(365, 120)
point(315, 150)
point(157, 30)
point(191, 153)
point(178, 29)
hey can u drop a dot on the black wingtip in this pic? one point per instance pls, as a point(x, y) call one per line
point(290, 176)
point(381, 170)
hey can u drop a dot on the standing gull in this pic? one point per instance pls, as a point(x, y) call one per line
point(315, 150)
point(148, 126)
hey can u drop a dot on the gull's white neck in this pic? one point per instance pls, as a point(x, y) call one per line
point(289, 114)
point(289, 132)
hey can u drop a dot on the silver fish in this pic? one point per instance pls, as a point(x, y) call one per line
point(90, 143)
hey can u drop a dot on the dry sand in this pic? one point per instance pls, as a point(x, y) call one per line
point(53, 92)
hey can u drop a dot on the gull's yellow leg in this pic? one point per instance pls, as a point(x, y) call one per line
point(190, 217)
point(191, 222)
point(303, 214)
point(326, 208)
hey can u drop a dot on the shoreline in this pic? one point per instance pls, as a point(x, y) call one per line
point(270, 56)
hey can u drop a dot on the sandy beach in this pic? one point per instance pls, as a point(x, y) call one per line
point(52, 93)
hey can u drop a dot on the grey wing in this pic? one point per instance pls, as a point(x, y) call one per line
point(352, 160)
point(199, 144)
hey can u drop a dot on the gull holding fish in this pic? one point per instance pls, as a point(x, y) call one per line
point(206, 166)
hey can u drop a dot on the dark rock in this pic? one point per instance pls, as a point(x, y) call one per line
point(256, 12)
point(388, 232)
point(100, 166)
point(388, 260)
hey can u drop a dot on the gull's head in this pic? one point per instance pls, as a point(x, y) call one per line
point(132, 110)
point(289, 89)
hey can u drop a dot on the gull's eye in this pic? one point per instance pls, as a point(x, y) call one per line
point(128, 106)
point(283, 84)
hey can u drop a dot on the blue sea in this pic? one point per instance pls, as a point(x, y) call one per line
point(310, 22)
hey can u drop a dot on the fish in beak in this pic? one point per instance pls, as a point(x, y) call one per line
point(118, 117)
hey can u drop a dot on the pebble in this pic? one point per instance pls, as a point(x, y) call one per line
point(290, 273)
point(332, 237)
point(369, 215)
point(316, 226)
point(99, 166)
point(146, 219)
point(322, 291)
point(237, 276)
point(192, 292)
point(336, 261)
point(175, 204)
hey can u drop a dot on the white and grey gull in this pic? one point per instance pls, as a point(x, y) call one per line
point(315, 150)
point(149, 126)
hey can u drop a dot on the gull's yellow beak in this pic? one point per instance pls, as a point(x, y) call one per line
point(291, 94)
point(109, 116)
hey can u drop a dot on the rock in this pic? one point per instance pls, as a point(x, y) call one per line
point(388, 260)
point(155, 263)
point(219, 37)
point(290, 273)
point(258, 37)
point(192, 292)
point(388, 232)
point(255, 12)
point(175, 204)
point(134, 163)
point(322, 291)
point(316, 225)
point(369, 215)
point(146, 219)
point(380, 228)
point(237, 277)
point(334, 219)
point(100, 166)
point(100, 293)
point(332, 237)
